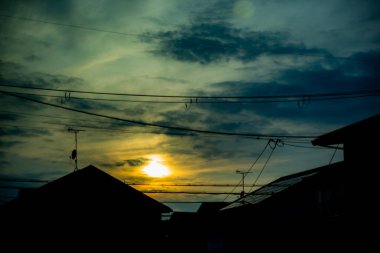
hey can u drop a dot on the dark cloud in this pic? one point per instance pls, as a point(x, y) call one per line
point(7, 116)
point(134, 111)
point(3, 163)
point(32, 57)
point(83, 104)
point(135, 162)
point(15, 73)
point(211, 149)
point(46, 8)
point(50, 80)
point(213, 12)
point(129, 162)
point(170, 80)
point(8, 144)
point(212, 42)
point(180, 118)
point(343, 76)
point(15, 131)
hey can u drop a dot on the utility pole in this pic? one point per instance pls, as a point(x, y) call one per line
point(74, 153)
point(243, 174)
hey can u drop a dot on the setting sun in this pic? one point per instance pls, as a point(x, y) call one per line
point(156, 169)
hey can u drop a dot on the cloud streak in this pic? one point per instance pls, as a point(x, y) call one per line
point(206, 43)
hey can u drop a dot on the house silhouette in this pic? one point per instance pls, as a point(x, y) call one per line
point(88, 203)
point(328, 207)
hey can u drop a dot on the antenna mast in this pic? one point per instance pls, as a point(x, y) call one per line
point(243, 174)
point(74, 153)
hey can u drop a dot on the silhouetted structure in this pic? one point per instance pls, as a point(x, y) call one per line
point(184, 232)
point(304, 203)
point(328, 206)
point(190, 232)
point(89, 203)
point(360, 142)
point(208, 209)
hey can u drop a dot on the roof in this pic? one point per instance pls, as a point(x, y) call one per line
point(366, 127)
point(278, 186)
point(93, 187)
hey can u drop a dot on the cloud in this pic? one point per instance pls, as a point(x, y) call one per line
point(48, 8)
point(15, 73)
point(129, 162)
point(206, 43)
point(340, 76)
point(170, 80)
point(83, 104)
point(7, 116)
point(15, 131)
point(8, 144)
point(135, 162)
point(32, 57)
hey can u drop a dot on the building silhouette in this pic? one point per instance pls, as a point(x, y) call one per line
point(327, 207)
point(88, 208)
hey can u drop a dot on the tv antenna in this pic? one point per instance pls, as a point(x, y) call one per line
point(74, 153)
point(243, 174)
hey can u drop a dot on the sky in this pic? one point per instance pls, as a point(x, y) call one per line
point(203, 50)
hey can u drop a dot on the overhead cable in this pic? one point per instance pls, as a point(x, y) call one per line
point(143, 123)
point(284, 96)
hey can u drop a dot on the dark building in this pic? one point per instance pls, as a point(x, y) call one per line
point(190, 231)
point(89, 208)
point(327, 207)
point(360, 142)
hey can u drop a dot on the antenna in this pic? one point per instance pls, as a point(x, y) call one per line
point(74, 153)
point(243, 174)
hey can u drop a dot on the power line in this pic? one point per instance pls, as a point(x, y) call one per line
point(183, 41)
point(300, 146)
point(51, 116)
point(189, 192)
point(186, 185)
point(265, 164)
point(196, 101)
point(303, 96)
point(29, 180)
point(332, 157)
point(146, 191)
point(142, 123)
point(94, 128)
point(253, 164)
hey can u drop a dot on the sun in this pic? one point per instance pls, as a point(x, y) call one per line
point(156, 169)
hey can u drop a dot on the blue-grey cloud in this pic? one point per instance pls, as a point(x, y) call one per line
point(343, 76)
point(15, 131)
point(170, 80)
point(15, 73)
point(212, 42)
point(129, 162)
point(47, 8)
point(8, 144)
point(4, 116)
point(32, 57)
point(86, 104)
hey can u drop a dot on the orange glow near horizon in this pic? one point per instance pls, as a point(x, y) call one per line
point(156, 169)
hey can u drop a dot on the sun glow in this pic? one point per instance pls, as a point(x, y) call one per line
point(156, 169)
